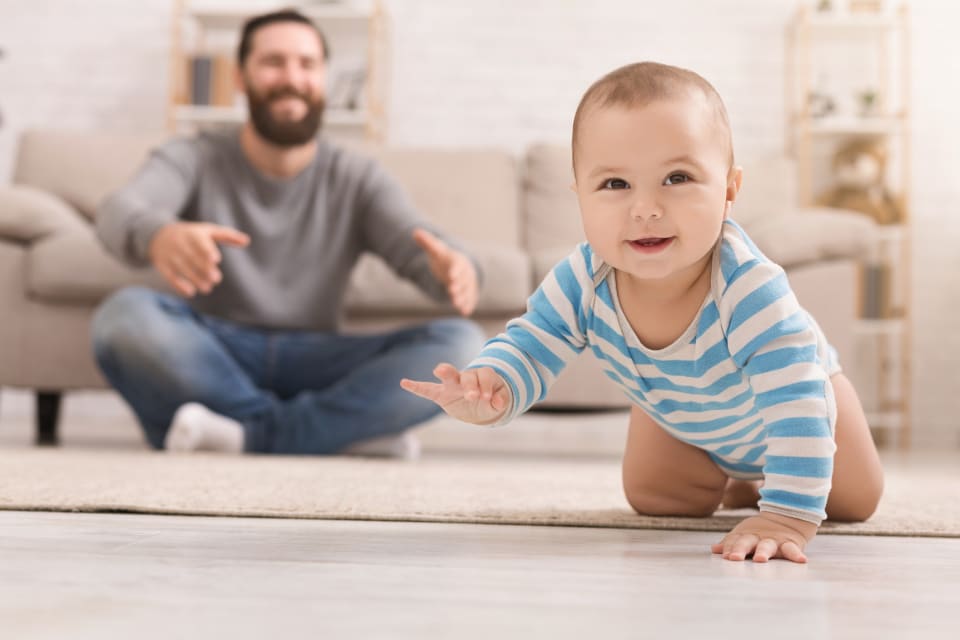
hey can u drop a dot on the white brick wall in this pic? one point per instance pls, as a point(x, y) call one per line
point(498, 73)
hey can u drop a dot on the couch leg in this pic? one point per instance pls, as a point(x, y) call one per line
point(48, 412)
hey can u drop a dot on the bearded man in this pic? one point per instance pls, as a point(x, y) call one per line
point(256, 228)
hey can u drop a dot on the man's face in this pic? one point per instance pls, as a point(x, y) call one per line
point(284, 78)
point(653, 184)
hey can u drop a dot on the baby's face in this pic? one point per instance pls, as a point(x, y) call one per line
point(654, 185)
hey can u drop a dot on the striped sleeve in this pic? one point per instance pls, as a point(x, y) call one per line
point(772, 339)
point(534, 348)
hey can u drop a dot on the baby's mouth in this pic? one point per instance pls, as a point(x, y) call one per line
point(651, 244)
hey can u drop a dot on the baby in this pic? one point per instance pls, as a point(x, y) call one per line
point(731, 381)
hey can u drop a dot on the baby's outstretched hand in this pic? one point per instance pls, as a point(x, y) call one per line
point(766, 536)
point(479, 396)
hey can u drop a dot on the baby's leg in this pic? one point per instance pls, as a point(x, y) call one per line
point(857, 474)
point(663, 476)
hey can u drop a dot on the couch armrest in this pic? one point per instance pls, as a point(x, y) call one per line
point(28, 214)
point(813, 234)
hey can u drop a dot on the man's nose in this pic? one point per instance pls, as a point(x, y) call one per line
point(294, 74)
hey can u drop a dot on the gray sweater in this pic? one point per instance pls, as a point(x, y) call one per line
point(306, 231)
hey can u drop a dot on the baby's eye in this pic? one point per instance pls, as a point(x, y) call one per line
point(615, 183)
point(677, 178)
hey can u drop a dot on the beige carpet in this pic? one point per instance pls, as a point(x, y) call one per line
point(506, 491)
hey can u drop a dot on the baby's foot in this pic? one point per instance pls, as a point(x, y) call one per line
point(404, 446)
point(741, 493)
point(196, 428)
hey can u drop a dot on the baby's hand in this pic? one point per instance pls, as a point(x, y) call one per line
point(766, 536)
point(479, 396)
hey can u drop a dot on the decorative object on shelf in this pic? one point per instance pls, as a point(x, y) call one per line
point(824, 6)
point(820, 105)
point(346, 89)
point(868, 100)
point(866, 6)
point(859, 170)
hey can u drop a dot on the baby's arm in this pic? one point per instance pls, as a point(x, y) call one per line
point(478, 396)
point(516, 368)
point(775, 343)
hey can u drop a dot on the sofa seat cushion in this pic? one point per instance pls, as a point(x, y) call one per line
point(375, 289)
point(73, 268)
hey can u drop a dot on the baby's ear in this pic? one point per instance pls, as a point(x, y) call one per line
point(734, 182)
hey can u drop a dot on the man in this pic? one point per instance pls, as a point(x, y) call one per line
point(257, 229)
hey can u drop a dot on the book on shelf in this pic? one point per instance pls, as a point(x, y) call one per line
point(210, 80)
point(877, 283)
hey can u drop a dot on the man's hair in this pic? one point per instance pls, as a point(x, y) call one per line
point(251, 26)
point(639, 84)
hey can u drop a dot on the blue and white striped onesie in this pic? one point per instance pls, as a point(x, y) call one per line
point(747, 382)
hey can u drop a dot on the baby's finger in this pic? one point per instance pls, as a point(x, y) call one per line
point(489, 382)
point(742, 547)
point(447, 373)
point(471, 385)
point(792, 551)
point(501, 398)
point(766, 549)
point(429, 390)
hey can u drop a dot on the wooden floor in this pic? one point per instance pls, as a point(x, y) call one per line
point(77, 576)
point(131, 576)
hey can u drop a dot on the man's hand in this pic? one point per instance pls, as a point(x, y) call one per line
point(479, 396)
point(186, 254)
point(453, 269)
point(766, 536)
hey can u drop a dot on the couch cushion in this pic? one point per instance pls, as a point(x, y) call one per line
point(375, 289)
point(81, 168)
point(551, 213)
point(802, 236)
point(27, 214)
point(471, 194)
point(73, 268)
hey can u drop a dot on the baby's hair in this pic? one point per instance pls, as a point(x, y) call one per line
point(639, 84)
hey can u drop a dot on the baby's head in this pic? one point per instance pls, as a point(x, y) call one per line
point(653, 163)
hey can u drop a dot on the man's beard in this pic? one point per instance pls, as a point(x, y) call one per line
point(287, 133)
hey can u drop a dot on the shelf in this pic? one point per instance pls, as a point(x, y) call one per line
point(225, 19)
point(849, 125)
point(879, 326)
point(203, 114)
point(848, 22)
point(885, 419)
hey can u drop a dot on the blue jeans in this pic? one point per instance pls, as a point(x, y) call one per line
point(294, 392)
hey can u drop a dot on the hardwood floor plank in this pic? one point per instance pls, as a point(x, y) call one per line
point(106, 576)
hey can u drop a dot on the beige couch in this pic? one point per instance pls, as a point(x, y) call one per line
point(517, 214)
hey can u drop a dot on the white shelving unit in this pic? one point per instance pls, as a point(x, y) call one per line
point(861, 48)
point(358, 35)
